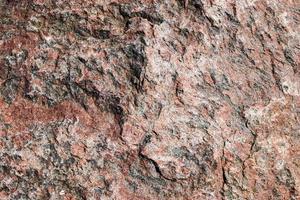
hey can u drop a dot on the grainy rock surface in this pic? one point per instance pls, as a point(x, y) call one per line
point(149, 99)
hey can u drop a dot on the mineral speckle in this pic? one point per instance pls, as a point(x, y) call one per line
point(149, 99)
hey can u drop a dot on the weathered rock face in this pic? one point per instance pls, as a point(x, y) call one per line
point(149, 99)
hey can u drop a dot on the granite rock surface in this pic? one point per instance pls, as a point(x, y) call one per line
point(149, 99)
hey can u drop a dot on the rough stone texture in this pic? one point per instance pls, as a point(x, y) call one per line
point(149, 99)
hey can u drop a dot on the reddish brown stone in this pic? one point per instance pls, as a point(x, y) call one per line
point(149, 99)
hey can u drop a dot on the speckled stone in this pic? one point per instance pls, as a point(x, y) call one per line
point(149, 99)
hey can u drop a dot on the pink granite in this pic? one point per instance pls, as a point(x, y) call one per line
point(149, 100)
